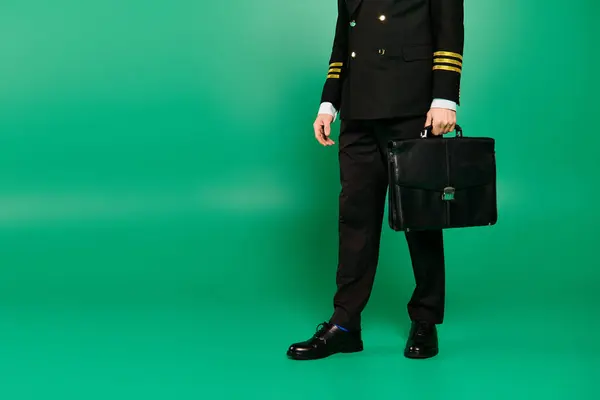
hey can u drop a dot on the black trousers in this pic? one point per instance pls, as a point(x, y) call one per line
point(364, 179)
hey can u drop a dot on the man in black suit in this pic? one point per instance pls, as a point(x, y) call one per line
point(394, 69)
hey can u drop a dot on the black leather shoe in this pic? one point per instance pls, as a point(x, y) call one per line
point(328, 340)
point(422, 341)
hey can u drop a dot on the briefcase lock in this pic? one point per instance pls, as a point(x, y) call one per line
point(448, 194)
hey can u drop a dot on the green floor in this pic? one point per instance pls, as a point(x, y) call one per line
point(141, 310)
point(168, 223)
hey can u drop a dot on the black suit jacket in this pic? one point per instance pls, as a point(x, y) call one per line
point(390, 58)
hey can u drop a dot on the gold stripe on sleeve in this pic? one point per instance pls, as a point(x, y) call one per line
point(334, 76)
point(447, 68)
point(448, 54)
point(447, 61)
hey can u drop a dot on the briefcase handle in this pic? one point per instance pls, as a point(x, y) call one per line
point(427, 131)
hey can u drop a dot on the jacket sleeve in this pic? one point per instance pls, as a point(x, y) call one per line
point(332, 89)
point(448, 33)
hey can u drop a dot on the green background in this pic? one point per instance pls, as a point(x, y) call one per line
point(168, 222)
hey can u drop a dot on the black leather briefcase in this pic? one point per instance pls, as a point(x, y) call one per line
point(442, 182)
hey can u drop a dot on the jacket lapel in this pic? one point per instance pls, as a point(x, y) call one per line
point(352, 5)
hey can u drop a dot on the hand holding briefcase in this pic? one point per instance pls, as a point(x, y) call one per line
point(438, 182)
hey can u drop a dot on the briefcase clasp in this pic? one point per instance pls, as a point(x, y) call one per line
point(448, 194)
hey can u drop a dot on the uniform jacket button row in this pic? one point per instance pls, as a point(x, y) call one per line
point(380, 52)
point(381, 18)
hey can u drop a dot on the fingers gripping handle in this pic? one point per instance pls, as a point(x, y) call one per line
point(427, 131)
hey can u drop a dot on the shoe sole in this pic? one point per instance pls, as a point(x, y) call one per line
point(421, 356)
point(300, 357)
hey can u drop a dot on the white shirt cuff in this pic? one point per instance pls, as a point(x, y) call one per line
point(328, 108)
point(441, 103)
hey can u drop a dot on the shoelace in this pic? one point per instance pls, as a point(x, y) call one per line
point(321, 329)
